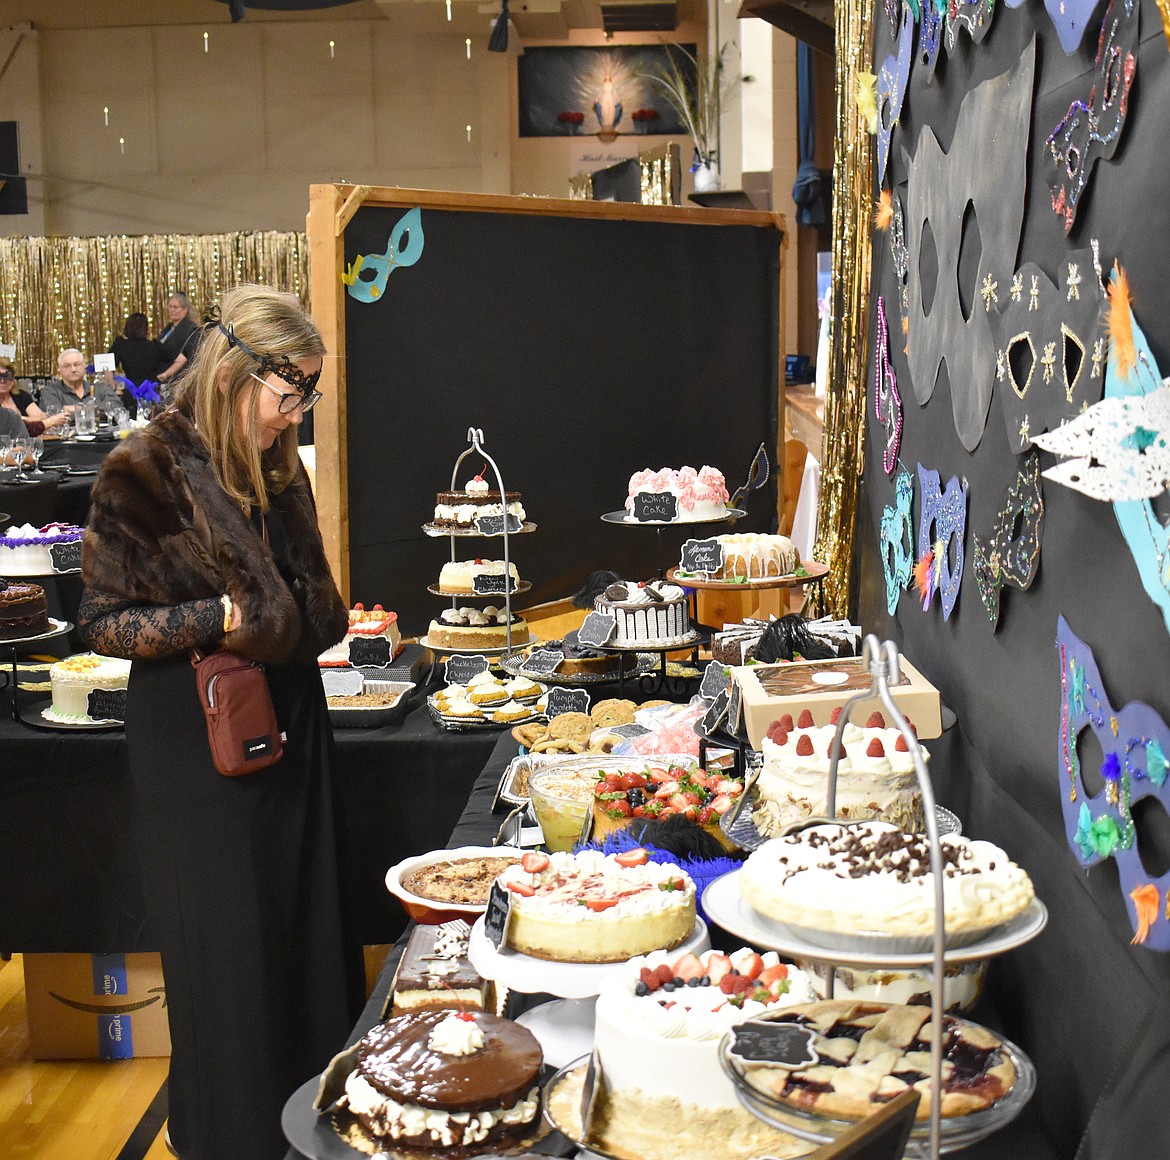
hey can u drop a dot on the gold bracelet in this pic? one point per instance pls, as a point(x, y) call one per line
point(226, 600)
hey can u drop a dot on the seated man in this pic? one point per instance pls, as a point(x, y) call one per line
point(66, 392)
point(12, 424)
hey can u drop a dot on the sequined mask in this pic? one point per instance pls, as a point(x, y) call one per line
point(898, 538)
point(887, 402)
point(942, 527)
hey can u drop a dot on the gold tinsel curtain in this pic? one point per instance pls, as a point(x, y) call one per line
point(62, 292)
point(844, 447)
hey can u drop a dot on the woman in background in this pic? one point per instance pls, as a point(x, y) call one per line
point(20, 403)
point(203, 534)
point(139, 357)
point(181, 337)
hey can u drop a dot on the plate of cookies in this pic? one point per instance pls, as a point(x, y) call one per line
point(578, 732)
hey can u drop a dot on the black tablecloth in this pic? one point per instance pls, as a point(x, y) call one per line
point(68, 864)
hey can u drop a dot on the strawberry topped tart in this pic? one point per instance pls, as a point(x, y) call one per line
point(365, 624)
point(658, 1026)
point(596, 908)
point(875, 774)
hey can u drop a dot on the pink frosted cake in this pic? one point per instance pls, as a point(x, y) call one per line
point(702, 495)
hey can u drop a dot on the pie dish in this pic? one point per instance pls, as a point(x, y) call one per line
point(462, 862)
point(868, 1053)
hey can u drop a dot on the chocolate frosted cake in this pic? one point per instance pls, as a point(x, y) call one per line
point(445, 1079)
point(650, 612)
point(24, 611)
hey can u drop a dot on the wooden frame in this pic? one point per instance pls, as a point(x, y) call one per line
point(331, 207)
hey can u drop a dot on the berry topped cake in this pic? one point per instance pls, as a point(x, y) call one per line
point(700, 495)
point(596, 908)
point(365, 624)
point(458, 510)
point(875, 775)
point(659, 1023)
point(872, 878)
point(445, 1079)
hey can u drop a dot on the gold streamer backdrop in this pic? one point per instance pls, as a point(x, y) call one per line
point(844, 446)
point(62, 292)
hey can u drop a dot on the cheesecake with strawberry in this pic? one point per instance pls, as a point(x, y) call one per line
point(661, 791)
point(875, 775)
point(658, 1026)
point(365, 624)
point(596, 908)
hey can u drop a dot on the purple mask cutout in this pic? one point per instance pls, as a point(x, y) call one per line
point(930, 36)
point(942, 521)
point(893, 77)
point(1069, 17)
point(1091, 129)
point(1135, 746)
point(887, 402)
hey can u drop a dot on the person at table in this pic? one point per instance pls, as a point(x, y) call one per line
point(203, 534)
point(12, 426)
point(180, 339)
point(20, 403)
point(63, 393)
point(139, 357)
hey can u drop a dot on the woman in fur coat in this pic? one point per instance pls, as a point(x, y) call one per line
point(203, 534)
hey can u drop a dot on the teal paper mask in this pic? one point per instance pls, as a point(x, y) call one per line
point(397, 254)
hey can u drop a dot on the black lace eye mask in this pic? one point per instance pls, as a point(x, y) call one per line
point(281, 366)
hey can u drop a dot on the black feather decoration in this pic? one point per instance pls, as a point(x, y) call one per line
point(597, 583)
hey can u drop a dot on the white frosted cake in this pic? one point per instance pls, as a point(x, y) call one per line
point(651, 613)
point(658, 1025)
point(701, 495)
point(24, 550)
point(457, 578)
point(365, 625)
point(757, 556)
point(74, 678)
point(875, 776)
point(871, 877)
point(596, 908)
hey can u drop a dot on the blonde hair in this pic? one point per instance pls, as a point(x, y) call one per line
point(220, 393)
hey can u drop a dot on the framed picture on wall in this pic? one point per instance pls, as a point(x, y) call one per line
point(601, 92)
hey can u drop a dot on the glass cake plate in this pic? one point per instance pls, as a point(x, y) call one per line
point(619, 517)
point(955, 1132)
point(461, 724)
point(644, 663)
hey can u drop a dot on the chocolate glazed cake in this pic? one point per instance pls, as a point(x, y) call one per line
point(24, 611)
point(406, 1092)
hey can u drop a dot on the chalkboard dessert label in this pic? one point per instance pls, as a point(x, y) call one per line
point(715, 715)
point(369, 651)
point(543, 661)
point(655, 506)
point(495, 918)
point(562, 700)
point(785, 1045)
point(704, 556)
point(494, 525)
point(714, 681)
point(461, 667)
point(66, 557)
point(107, 704)
point(342, 682)
point(597, 630)
point(482, 585)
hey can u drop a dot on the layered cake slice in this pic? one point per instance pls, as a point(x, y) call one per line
point(24, 610)
point(434, 972)
point(458, 510)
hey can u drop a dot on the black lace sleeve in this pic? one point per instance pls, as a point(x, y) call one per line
point(116, 627)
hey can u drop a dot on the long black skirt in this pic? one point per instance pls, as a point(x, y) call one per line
point(242, 879)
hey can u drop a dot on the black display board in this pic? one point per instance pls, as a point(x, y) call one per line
point(585, 349)
point(1089, 1008)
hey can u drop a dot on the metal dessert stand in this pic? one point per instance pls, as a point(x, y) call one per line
point(60, 628)
point(882, 662)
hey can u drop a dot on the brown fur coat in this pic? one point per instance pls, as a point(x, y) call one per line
point(162, 531)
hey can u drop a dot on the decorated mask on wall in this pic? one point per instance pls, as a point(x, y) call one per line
point(398, 253)
point(1011, 553)
point(942, 527)
point(1049, 345)
point(887, 402)
point(901, 257)
point(932, 25)
point(1128, 441)
point(986, 168)
point(1070, 18)
point(1091, 129)
point(973, 16)
point(898, 538)
point(1135, 748)
point(891, 89)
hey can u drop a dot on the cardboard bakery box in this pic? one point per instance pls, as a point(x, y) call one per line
point(769, 691)
point(110, 1006)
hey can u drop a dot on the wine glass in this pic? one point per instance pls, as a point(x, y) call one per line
point(15, 455)
point(35, 448)
point(5, 450)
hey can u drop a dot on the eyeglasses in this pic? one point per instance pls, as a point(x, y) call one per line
point(291, 400)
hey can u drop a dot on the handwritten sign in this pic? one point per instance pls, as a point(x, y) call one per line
point(104, 362)
point(494, 525)
point(544, 661)
point(462, 667)
point(369, 651)
point(715, 715)
point(597, 629)
point(66, 557)
point(107, 704)
point(701, 555)
point(650, 506)
point(342, 682)
point(492, 585)
point(714, 681)
point(633, 729)
point(734, 707)
point(495, 918)
point(562, 700)
point(786, 1045)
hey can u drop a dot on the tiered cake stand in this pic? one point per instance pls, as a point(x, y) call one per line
point(60, 628)
point(475, 439)
point(724, 904)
